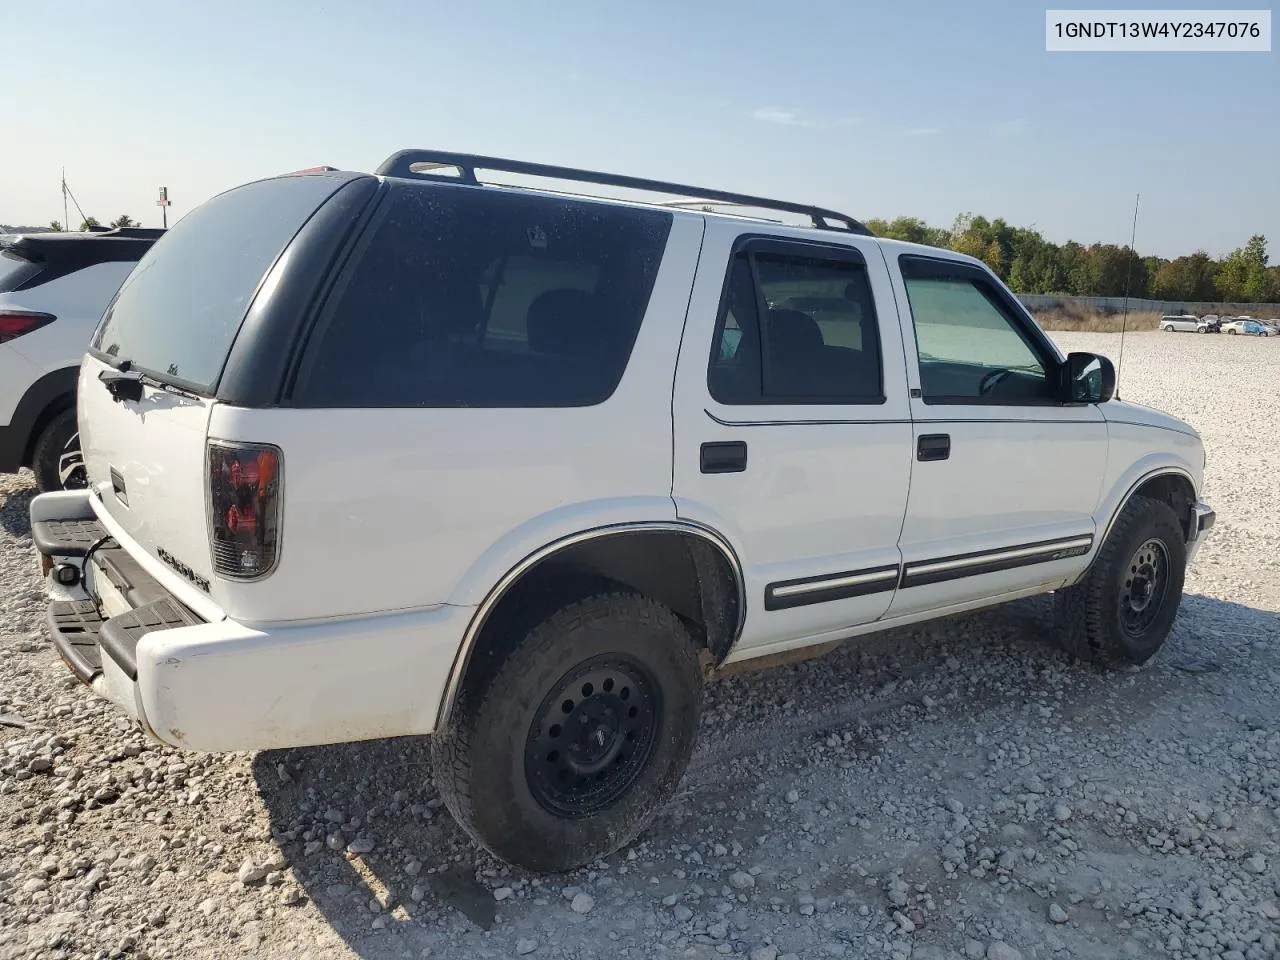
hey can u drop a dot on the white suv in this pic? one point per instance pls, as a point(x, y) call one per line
point(411, 453)
point(53, 289)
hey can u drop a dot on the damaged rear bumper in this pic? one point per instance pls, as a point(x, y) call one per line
point(224, 685)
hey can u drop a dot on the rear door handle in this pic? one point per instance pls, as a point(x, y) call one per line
point(933, 446)
point(729, 456)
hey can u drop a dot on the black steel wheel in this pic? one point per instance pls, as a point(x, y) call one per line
point(592, 735)
point(571, 733)
point(1145, 584)
point(1123, 608)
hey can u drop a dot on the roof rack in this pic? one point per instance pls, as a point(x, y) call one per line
point(421, 163)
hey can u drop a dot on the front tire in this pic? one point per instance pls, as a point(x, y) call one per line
point(1124, 608)
point(561, 749)
point(56, 459)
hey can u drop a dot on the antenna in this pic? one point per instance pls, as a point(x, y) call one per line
point(66, 192)
point(1128, 273)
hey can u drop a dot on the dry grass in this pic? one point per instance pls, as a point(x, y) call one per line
point(1072, 316)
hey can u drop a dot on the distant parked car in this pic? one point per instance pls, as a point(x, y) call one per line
point(1256, 328)
point(53, 289)
point(1210, 324)
point(1234, 325)
point(1180, 323)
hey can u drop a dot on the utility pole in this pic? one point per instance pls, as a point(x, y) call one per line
point(66, 222)
point(163, 204)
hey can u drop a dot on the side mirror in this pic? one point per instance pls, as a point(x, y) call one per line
point(1088, 378)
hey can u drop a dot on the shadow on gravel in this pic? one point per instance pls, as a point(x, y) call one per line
point(15, 511)
point(423, 874)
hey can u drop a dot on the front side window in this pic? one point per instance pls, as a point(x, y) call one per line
point(468, 297)
point(796, 329)
point(971, 349)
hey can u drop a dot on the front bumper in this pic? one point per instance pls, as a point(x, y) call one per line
point(1200, 520)
point(223, 685)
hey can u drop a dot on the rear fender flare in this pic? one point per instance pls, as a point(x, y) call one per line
point(50, 395)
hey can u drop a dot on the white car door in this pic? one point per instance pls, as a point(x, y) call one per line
point(791, 427)
point(1006, 477)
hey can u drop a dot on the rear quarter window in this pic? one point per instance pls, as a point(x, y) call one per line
point(15, 271)
point(478, 297)
point(177, 314)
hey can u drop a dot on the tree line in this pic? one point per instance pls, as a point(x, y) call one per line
point(1029, 263)
point(88, 223)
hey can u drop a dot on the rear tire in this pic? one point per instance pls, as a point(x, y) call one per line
point(561, 749)
point(56, 459)
point(1123, 609)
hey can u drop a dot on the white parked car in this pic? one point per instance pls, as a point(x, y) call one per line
point(53, 289)
point(406, 453)
point(1183, 323)
point(1237, 325)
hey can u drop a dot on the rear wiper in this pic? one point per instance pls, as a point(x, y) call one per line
point(125, 383)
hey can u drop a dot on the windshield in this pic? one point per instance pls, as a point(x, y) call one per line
point(178, 313)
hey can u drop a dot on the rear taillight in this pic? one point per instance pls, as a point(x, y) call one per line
point(244, 508)
point(14, 323)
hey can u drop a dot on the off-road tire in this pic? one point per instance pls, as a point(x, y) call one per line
point(1090, 613)
point(481, 755)
point(46, 453)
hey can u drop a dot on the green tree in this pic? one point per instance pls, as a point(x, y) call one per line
point(993, 256)
point(910, 229)
point(1185, 278)
point(55, 226)
point(967, 235)
point(89, 222)
point(1243, 275)
point(124, 220)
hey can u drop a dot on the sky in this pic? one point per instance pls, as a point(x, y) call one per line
point(876, 109)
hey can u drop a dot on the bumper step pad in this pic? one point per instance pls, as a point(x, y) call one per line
point(74, 627)
point(120, 634)
point(66, 538)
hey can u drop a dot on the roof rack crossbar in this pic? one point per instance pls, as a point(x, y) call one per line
point(420, 163)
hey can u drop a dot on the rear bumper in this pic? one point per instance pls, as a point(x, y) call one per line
point(224, 685)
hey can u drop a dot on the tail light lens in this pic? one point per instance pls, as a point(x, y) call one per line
point(14, 323)
point(244, 508)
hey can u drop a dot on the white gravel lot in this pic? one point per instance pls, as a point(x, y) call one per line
point(959, 791)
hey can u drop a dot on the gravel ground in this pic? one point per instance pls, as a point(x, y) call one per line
point(958, 791)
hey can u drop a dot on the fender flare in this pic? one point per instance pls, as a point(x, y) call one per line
point(1168, 470)
point(45, 396)
point(481, 614)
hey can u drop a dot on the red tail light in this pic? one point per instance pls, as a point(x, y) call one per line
point(14, 323)
point(244, 508)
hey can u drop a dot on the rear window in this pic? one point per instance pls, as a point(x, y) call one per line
point(178, 313)
point(15, 271)
point(481, 297)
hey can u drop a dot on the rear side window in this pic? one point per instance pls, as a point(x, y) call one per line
point(15, 271)
point(485, 298)
point(796, 329)
point(178, 313)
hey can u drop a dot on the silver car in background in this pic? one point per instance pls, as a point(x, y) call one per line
point(1181, 323)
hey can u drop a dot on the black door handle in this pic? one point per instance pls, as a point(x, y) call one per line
point(728, 456)
point(933, 446)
